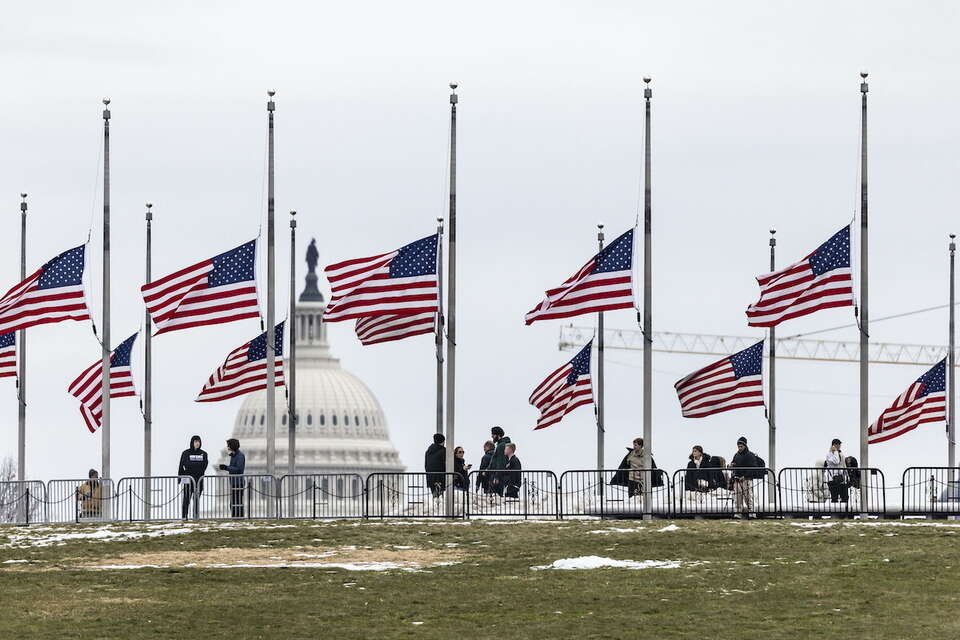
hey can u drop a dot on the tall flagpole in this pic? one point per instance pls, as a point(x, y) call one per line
point(105, 326)
point(600, 423)
point(291, 373)
point(148, 360)
point(439, 327)
point(951, 363)
point(864, 307)
point(452, 296)
point(647, 313)
point(772, 405)
point(22, 356)
point(271, 355)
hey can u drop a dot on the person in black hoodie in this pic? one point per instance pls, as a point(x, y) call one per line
point(483, 478)
point(742, 482)
point(193, 463)
point(435, 464)
point(703, 472)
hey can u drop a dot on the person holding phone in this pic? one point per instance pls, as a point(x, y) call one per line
point(461, 469)
point(836, 473)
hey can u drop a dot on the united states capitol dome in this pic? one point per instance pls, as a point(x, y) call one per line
point(341, 427)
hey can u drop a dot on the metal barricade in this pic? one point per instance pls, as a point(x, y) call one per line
point(156, 498)
point(322, 495)
point(22, 502)
point(86, 500)
point(511, 493)
point(818, 491)
point(414, 495)
point(715, 492)
point(610, 493)
point(930, 491)
point(223, 497)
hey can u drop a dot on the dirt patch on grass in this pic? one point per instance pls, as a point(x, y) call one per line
point(235, 557)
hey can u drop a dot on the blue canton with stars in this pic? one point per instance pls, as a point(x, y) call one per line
point(935, 380)
point(121, 355)
point(581, 364)
point(832, 254)
point(63, 271)
point(748, 362)
point(258, 346)
point(8, 339)
point(415, 259)
point(236, 265)
point(616, 256)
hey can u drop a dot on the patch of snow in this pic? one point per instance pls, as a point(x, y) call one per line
point(669, 527)
point(401, 547)
point(596, 562)
point(615, 530)
point(813, 525)
point(14, 561)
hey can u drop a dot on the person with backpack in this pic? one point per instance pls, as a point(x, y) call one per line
point(744, 465)
point(836, 473)
point(703, 472)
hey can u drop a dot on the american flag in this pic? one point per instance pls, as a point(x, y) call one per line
point(731, 383)
point(564, 390)
point(8, 355)
point(221, 289)
point(53, 293)
point(603, 284)
point(822, 280)
point(245, 369)
point(924, 401)
point(377, 329)
point(402, 282)
point(89, 390)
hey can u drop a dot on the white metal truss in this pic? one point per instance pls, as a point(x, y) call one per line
point(572, 337)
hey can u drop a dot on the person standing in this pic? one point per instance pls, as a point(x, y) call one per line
point(435, 464)
point(835, 473)
point(512, 476)
point(460, 468)
point(499, 460)
point(741, 479)
point(483, 478)
point(193, 463)
point(238, 463)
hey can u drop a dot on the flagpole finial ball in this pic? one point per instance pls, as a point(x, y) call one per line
point(952, 236)
point(772, 231)
point(271, 93)
point(454, 85)
point(864, 74)
point(149, 205)
point(599, 225)
point(646, 79)
point(106, 101)
point(23, 195)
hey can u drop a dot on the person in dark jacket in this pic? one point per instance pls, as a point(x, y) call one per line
point(483, 478)
point(853, 472)
point(435, 464)
point(512, 476)
point(499, 460)
point(238, 463)
point(741, 480)
point(630, 473)
point(461, 468)
point(703, 472)
point(193, 463)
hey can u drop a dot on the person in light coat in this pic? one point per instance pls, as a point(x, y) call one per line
point(836, 474)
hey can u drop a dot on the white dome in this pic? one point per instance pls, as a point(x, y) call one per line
point(341, 427)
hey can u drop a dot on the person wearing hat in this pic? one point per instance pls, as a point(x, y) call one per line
point(741, 480)
point(836, 474)
point(498, 461)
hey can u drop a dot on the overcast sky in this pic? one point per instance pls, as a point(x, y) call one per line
point(756, 124)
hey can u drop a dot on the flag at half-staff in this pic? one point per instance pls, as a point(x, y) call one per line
point(245, 369)
point(564, 390)
point(220, 289)
point(377, 329)
point(822, 280)
point(402, 282)
point(603, 284)
point(52, 293)
point(88, 386)
point(8, 355)
point(731, 383)
point(925, 400)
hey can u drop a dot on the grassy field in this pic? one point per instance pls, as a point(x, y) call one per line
point(476, 579)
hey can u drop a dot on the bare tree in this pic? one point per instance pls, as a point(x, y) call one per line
point(15, 498)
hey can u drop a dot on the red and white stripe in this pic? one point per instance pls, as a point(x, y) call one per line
point(586, 292)
point(87, 387)
point(8, 361)
point(362, 287)
point(26, 305)
point(377, 329)
point(555, 398)
point(907, 413)
point(238, 375)
point(715, 389)
point(183, 299)
point(794, 291)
